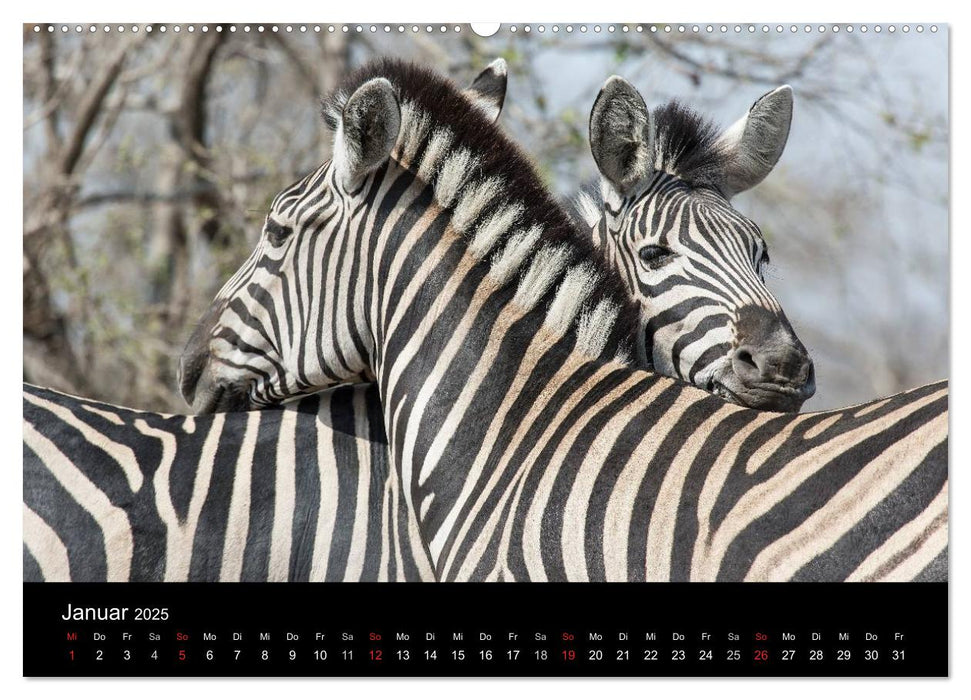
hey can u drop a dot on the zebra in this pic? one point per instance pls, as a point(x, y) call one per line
point(58, 428)
point(663, 219)
point(92, 510)
point(114, 494)
point(426, 256)
point(301, 493)
point(89, 472)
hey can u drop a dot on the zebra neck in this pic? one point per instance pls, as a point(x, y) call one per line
point(437, 271)
point(464, 360)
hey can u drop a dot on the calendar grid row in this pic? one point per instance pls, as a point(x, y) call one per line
point(512, 654)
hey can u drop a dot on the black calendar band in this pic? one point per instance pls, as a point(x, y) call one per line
point(364, 629)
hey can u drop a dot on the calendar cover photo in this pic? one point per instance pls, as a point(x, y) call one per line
point(564, 303)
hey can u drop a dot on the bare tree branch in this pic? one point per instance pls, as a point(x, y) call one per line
point(89, 110)
point(49, 90)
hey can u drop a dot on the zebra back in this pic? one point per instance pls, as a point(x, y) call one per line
point(299, 493)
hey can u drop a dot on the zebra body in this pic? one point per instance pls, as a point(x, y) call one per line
point(426, 256)
point(301, 493)
point(98, 515)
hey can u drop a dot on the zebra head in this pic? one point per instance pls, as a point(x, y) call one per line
point(695, 264)
point(248, 349)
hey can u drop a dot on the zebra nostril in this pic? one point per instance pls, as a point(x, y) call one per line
point(808, 387)
point(745, 364)
point(195, 356)
point(745, 357)
point(190, 369)
point(192, 364)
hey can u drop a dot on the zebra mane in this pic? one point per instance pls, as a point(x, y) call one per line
point(500, 206)
point(587, 206)
point(686, 145)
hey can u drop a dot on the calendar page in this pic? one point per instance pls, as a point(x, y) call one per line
point(485, 350)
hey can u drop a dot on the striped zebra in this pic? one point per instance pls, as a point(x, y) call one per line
point(302, 493)
point(94, 511)
point(76, 452)
point(427, 257)
point(664, 221)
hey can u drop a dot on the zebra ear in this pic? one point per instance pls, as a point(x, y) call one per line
point(368, 129)
point(488, 90)
point(622, 134)
point(755, 142)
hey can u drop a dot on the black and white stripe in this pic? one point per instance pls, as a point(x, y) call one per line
point(95, 507)
point(301, 493)
point(426, 255)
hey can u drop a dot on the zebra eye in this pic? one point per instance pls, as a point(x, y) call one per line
point(276, 234)
point(654, 256)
